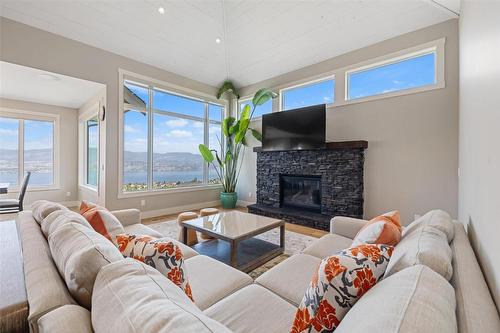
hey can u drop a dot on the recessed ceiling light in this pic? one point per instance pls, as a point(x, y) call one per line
point(49, 77)
point(217, 40)
point(161, 10)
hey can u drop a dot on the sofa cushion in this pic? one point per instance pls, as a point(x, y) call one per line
point(61, 217)
point(290, 278)
point(438, 219)
point(337, 284)
point(44, 286)
point(424, 246)
point(412, 301)
point(476, 311)
point(138, 298)
point(68, 318)
point(104, 222)
point(42, 208)
point(79, 253)
point(253, 309)
point(159, 253)
point(328, 245)
point(141, 229)
point(212, 280)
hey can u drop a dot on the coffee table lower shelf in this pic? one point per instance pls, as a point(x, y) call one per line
point(250, 253)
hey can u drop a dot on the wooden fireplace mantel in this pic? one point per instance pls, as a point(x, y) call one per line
point(359, 144)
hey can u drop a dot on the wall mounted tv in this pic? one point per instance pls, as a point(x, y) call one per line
point(297, 129)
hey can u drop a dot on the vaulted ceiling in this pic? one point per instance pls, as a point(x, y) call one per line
point(260, 39)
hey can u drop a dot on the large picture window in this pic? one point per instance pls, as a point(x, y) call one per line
point(27, 145)
point(161, 134)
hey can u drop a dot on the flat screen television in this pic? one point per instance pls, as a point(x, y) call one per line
point(297, 129)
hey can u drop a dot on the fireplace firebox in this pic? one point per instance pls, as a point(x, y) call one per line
point(301, 191)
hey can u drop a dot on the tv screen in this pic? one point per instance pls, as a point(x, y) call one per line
point(297, 129)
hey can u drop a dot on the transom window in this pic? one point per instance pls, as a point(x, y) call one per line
point(161, 134)
point(409, 72)
point(313, 93)
point(27, 145)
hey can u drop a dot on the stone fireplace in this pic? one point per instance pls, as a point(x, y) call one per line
point(309, 187)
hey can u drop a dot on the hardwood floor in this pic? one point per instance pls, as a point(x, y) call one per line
point(288, 226)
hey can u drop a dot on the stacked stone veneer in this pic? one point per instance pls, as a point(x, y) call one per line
point(341, 172)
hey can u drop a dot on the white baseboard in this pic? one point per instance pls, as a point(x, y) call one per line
point(178, 209)
point(242, 203)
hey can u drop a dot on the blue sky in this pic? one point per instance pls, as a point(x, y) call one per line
point(406, 74)
point(170, 134)
point(313, 94)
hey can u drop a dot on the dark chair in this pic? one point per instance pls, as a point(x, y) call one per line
point(15, 205)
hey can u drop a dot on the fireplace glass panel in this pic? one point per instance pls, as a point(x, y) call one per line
point(299, 191)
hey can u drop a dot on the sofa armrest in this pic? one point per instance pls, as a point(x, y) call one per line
point(346, 226)
point(128, 216)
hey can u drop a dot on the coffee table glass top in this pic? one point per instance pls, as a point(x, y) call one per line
point(234, 224)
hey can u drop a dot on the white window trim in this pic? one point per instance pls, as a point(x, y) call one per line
point(20, 114)
point(340, 98)
point(92, 112)
point(436, 46)
point(167, 87)
point(303, 83)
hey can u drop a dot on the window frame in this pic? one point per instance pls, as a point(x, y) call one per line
point(304, 83)
point(173, 89)
point(245, 99)
point(437, 47)
point(85, 174)
point(21, 116)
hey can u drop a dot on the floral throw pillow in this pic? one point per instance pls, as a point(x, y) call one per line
point(159, 253)
point(338, 283)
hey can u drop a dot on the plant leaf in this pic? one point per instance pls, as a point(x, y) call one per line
point(229, 156)
point(239, 136)
point(227, 86)
point(233, 129)
point(206, 153)
point(243, 127)
point(245, 113)
point(226, 124)
point(244, 141)
point(256, 134)
point(262, 96)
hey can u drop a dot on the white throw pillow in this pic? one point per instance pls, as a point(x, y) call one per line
point(59, 218)
point(438, 219)
point(425, 246)
point(42, 208)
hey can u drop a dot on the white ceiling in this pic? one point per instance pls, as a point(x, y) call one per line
point(260, 38)
point(32, 85)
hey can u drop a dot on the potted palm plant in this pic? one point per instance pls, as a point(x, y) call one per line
point(228, 160)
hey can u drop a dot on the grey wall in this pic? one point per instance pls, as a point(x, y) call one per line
point(28, 46)
point(412, 158)
point(479, 194)
point(68, 139)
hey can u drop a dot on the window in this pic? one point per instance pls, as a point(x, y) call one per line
point(321, 92)
point(161, 134)
point(265, 108)
point(92, 151)
point(398, 74)
point(27, 145)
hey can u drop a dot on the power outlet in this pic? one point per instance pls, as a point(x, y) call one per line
point(143, 203)
point(250, 194)
point(68, 194)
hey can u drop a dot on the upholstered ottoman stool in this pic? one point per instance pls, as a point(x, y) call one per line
point(207, 212)
point(191, 234)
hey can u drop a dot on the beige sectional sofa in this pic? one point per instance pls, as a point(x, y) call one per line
point(129, 296)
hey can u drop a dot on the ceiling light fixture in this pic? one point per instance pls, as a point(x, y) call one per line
point(217, 40)
point(161, 10)
point(49, 77)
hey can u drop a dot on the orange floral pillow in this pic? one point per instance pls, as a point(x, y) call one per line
point(383, 229)
point(104, 222)
point(337, 284)
point(159, 253)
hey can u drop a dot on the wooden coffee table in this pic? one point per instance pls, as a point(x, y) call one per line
point(234, 240)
